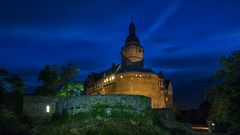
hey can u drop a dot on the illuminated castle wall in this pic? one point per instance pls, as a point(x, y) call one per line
point(130, 77)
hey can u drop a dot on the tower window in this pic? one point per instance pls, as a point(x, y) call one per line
point(121, 76)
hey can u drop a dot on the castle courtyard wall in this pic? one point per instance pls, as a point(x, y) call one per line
point(87, 103)
point(36, 106)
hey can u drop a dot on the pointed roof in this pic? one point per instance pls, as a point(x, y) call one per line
point(132, 38)
point(167, 83)
point(160, 74)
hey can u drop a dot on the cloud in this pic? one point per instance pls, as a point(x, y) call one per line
point(157, 40)
point(171, 9)
point(172, 49)
point(185, 61)
point(90, 64)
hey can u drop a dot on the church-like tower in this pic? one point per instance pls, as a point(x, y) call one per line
point(132, 52)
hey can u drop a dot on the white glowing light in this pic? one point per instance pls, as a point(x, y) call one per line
point(113, 77)
point(121, 76)
point(47, 108)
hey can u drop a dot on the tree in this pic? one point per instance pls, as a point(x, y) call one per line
point(71, 90)
point(225, 96)
point(54, 77)
point(51, 80)
point(11, 89)
point(10, 82)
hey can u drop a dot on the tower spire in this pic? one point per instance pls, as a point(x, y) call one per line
point(132, 37)
point(131, 27)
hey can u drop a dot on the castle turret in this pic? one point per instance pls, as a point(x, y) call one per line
point(132, 51)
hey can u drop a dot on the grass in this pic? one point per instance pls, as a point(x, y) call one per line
point(107, 120)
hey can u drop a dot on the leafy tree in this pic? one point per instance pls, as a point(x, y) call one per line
point(54, 77)
point(225, 96)
point(11, 89)
point(71, 90)
point(69, 72)
point(10, 82)
point(51, 80)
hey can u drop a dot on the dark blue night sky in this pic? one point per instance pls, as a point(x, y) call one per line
point(183, 38)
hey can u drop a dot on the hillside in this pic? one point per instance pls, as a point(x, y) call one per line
point(112, 121)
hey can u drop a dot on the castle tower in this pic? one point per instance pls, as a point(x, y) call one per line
point(132, 51)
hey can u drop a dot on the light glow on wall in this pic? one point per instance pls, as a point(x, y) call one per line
point(48, 108)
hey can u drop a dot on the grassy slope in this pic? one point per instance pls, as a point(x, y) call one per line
point(101, 122)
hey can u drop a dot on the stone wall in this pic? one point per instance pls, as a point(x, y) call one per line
point(36, 106)
point(87, 103)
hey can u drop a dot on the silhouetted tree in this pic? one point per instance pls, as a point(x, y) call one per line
point(10, 82)
point(225, 96)
point(11, 89)
point(54, 77)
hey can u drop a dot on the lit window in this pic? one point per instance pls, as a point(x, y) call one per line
point(47, 108)
point(113, 77)
point(140, 75)
point(121, 76)
point(106, 80)
point(136, 75)
point(167, 99)
point(110, 79)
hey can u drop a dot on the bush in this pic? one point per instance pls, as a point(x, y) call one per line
point(10, 123)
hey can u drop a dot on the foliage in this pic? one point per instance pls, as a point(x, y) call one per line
point(10, 82)
point(10, 123)
point(121, 121)
point(54, 77)
point(225, 96)
point(71, 90)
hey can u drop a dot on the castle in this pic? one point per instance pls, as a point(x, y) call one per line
point(130, 77)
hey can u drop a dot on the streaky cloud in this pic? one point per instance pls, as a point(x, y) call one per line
point(163, 18)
